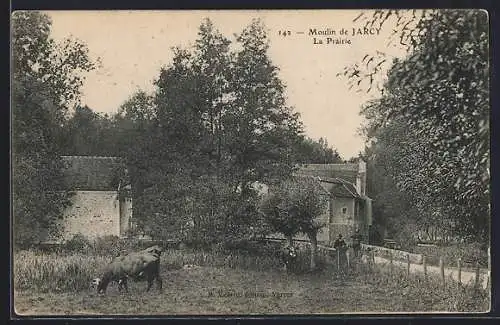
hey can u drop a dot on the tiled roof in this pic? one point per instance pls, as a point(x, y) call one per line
point(93, 173)
point(335, 186)
point(339, 187)
point(346, 172)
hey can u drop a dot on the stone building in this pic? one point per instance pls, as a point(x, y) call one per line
point(347, 206)
point(101, 200)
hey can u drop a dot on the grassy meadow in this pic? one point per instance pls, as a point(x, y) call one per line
point(222, 282)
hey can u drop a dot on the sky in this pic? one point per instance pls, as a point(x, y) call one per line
point(134, 45)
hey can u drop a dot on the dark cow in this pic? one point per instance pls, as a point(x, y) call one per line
point(137, 266)
point(288, 255)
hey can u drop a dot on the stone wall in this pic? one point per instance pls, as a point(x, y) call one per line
point(337, 205)
point(125, 216)
point(396, 254)
point(92, 214)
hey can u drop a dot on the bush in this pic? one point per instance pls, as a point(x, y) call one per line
point(109, 245)
point(78, 243)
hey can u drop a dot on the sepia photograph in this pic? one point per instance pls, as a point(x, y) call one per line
point(250, 162)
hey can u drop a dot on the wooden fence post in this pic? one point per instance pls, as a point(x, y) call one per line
point(477, 275)
point(369, 259)
point(441, 268)
point(338, 261)
point(424, 262)
point(348, 257)
point(408, 267)
point(459, 266)
point(391, 260)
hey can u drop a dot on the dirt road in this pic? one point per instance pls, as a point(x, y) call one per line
point(467, 277)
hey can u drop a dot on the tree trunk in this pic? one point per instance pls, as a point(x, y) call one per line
point(289, 239)
point(314, 250)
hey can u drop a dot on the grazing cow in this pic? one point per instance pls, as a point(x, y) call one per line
point(288, 256)
point(139, 265)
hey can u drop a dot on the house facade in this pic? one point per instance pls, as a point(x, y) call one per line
point(347, 207)
point(101, 198)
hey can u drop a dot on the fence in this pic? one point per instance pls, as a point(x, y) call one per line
point(477, 277)
point(411, 263)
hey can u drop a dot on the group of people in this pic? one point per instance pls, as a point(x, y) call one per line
point(341, 245)
point(288, 254)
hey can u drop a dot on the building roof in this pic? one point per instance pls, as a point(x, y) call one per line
point(347, 171)
point(93, 173)
point(335, 186)
point(339, 187)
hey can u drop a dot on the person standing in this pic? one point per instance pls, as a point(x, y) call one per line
point(356, 242)
point(341, 248)
point(339, 242)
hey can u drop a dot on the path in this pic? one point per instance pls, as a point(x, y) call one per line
point(449, 272)
point(467, 277)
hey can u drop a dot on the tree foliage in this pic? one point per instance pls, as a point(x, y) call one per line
point(295, 207)
point(216, 123)
point(431, 124)
point(46, 78)
point(309, 151)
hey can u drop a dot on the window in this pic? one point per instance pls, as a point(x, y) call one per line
point(344, 210)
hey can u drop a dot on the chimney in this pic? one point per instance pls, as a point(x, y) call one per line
point(361, 178)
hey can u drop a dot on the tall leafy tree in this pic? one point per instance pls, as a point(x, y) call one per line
point(435, 103)
point(316, 152)
point(45, 81)
point(263, 128)
point(221, 122)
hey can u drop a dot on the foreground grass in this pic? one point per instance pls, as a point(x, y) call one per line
point(217, 291)
point(429, 293)
point(56, 272)
point(51, 284)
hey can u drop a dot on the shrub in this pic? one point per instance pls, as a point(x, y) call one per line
point(108, 245)
point(78, 243)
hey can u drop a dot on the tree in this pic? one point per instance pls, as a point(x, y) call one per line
point(46, 78)
point(316, 152)
point(83, 133)
point(274, 208)
point(295, 207)
point(216, 123)
point(60, 66)
point(436, 101)
point(263, 129)
point(138, 108)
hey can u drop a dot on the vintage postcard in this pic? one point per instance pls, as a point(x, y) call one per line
point(251, 162)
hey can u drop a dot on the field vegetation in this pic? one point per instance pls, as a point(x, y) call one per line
point(470, 254)
point(238, 280)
